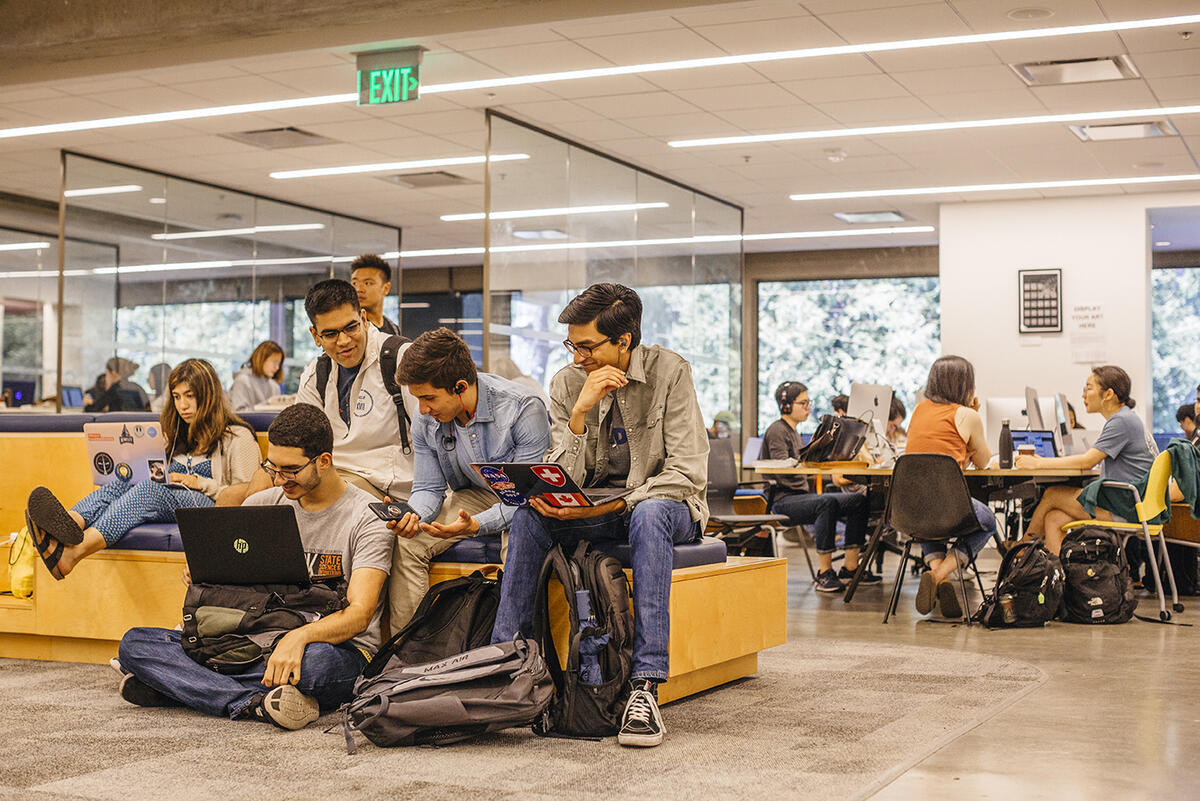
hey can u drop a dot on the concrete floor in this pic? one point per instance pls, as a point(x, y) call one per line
point(1118, 718)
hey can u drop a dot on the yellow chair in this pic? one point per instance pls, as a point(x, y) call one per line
point(1147, 508)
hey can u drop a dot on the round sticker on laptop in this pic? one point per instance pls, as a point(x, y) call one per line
point(124, 471)
point(240, 545)
point(492, 473)
point(510, 497)
point(103, 463)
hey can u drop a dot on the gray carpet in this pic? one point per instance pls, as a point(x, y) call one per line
point(822, 720)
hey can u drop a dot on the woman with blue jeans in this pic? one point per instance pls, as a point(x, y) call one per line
point(948, 422)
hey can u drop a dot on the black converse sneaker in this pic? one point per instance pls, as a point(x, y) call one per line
point(641, 723)
point(139, 694)
point(286, 707)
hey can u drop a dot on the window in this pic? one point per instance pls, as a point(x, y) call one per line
point(827, 334)
point(1175, 300)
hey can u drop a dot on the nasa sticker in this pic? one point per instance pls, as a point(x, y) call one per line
point(510, 497)
point(550, 474)
point(491, 474)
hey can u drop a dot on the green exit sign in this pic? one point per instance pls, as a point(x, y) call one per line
point(391, 76)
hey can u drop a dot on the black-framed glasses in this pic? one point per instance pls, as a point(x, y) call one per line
point(331, 335)
point(288, 473)
point(585, 349)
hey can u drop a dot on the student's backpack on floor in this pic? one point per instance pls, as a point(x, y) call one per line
point(590, 693)
point(1029, 589)
point(1098, 588)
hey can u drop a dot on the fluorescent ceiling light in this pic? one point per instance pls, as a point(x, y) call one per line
point(632, 69)
point(1076, 70)
point(541, 233)
point(925, 127)
point(952, 190)
point(394, 165)
point(860, 217)
point(102, 190)
point(25, 246)
point(521, 213)
point(840, 232)
point(416, 304)
point(258, 229)
point(1123, 130)
point(1162, 244)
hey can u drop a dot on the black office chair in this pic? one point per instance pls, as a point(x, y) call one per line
point(743, 534)
point(927, 501)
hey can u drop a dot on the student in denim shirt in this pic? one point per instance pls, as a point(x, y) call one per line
point(466, 417)
point(622, 415)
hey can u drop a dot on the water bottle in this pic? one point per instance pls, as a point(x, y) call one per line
point(589, 646)
point(1006, 448)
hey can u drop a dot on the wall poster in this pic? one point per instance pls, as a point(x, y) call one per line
point(1040, 305)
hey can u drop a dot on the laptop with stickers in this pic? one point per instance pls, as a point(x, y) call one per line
point(242, 545)
point(126, 451)
point(516, 482)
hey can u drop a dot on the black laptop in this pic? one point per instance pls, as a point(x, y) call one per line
point(242, 545)
point(516, 482)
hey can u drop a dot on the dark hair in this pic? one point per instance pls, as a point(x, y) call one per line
point(1112, 377)
point(438, 357)
point(1186, 412)
point(840, 403)
point(325, 296)
point(159, 374)
point(213, 418)
point(786, 394)
point(373, 262)
point(265, 350)
point(897, 409)
point(951, 380)
point(615, 309)
point(304, 426)
point(1073, 416)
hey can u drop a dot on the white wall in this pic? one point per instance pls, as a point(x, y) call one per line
point(1102, 246)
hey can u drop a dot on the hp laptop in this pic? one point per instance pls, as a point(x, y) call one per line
point(515, 483)
point(242, 545)
point(1043, 442)
point(128, 451)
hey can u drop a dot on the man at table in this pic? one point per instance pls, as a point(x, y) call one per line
point(802, 507)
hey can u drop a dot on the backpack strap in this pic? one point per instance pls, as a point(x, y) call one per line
point(324, 368)
point(555, 566)
point(388, 356)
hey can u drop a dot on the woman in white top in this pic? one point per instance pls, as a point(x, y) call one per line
point(258, 380)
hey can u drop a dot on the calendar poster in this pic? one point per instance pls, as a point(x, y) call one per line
point(1040, 301)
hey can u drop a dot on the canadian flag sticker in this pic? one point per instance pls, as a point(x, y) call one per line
point(550, 474)
point(565, 499)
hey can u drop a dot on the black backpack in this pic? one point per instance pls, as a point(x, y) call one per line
point(388, 355)
point(1029, 589)
point(455, 616)
point(590, 694)
point(1098, 588)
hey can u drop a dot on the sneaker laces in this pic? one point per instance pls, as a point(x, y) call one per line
point(641, 707)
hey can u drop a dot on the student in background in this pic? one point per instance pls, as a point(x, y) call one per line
point(1121, 450)
point(885, 449)
point(210, 448)
point(1196, 410)
point(159, 374)
point(1186, 417)
point(259, 379)
point(803, 507)
point(840, 404)
point(114, 392)
point(722, 427)
point(371, 278)
point(948, 422)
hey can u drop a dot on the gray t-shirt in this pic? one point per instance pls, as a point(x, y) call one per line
point(617, 473)
point(781, 441)
point(1127, 457)
point(340, 539)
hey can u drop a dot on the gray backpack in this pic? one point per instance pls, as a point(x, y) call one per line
point(482, 690)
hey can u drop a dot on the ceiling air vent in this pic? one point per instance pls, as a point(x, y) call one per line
point(428, 180)
point(279, 138)
point(1124, 130)
point(1078, 70)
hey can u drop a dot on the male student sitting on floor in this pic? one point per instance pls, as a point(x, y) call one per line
point(622, 415)
point(312, 668)
point(466, 417)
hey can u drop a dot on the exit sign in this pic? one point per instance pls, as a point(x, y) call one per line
point(391, 76)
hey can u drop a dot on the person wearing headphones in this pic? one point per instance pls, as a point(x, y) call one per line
point(802, 507)
point(465, 417)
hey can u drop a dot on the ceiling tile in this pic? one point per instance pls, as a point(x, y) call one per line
point(803, 69)
point(1095, 96)
point(1169, 64)
point(1175, 91)
point(782, 118)
point(727, 98)
point(327, 80)
point(536, 58)
point(993, 77)
point(1152, 40)
point(891, 24)
point(834, 90)
point(1057, 48)
point(598, 130)
point(936, 58)
point(881, 110)
point(827, 6)
point(148, 99)
point(641, 48)
point(985, 105)
point(552, 111)
point(790, 33)
point(600, 87)
point(245, 89)
point(646, 104)
point(679, 126)
point(501, 37)
point(986, 16)
point(740, 12)
point(630, 23)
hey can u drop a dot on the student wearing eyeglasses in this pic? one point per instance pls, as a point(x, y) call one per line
point(467, 417)
point(367, 445)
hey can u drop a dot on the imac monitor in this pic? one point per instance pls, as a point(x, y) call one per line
point(1032, 412)
point(22, 391)
point(870, 402)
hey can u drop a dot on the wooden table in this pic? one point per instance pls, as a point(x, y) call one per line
point(994, 474)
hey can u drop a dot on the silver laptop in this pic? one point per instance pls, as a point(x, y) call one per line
point(126, 451)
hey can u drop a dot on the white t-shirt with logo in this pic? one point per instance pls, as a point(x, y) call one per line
point(342, 538)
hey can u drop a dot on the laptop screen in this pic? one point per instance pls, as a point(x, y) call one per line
point(1042, 441)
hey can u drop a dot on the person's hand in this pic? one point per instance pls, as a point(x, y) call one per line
point(406, 527)
point(599, 383)
point(1027, 461)
point(87, 399)
point(186, 577)
point(284, 665)
point(186, 479)
point(974, 404)
point(465, 524)
point(577, 512)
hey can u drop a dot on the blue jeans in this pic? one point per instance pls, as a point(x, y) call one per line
point(823, 511)
point(968, 544)
point(117, 507)
point(652, 528)
point(327, 673)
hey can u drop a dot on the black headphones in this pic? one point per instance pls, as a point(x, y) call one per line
point(786, 394)
point(460, 387)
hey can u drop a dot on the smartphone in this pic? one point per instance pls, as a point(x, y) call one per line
point(395, 510)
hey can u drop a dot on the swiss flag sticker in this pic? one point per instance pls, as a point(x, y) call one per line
point(565, 499)
point(550, 474)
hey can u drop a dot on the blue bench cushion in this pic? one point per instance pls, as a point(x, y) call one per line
point(260, 420)
point(151, 537)
point(41, 422)
point(483, 550)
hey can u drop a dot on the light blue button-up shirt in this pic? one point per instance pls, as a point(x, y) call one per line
point(510, 425)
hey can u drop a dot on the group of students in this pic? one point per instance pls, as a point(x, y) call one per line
point(621, 414)
point(947, 421)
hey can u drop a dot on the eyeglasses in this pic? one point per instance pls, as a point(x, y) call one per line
point(331, 335)
point(288, 473)
point(805, 403)
point(585, 349)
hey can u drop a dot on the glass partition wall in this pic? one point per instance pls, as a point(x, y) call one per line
point(562, 217)
point(159, 268)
